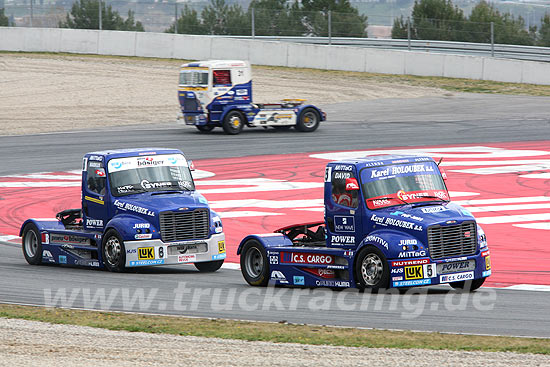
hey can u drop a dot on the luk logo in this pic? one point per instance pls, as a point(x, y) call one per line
point(414, 272)
point(146, 253)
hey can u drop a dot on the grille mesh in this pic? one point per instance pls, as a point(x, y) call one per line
point(190, 104)
point(181, 226)
point(452, 241)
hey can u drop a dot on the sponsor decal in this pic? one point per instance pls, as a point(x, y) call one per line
point(341, 167)
point(133, 208)
point(455, 259)
point(342, 175)
point(435, 209)
point(278, 276)
point(69, 239)
point(377, 240)
point(131, 251)
point(412, 283)
point(142, 225)
point(147, 185)
point(242, 92)
point(342, 240)
point(380, 202)
point(408, 242)
point(100, 172)
point(94, 200)
point(47, 255)
point(466, 212)
point(446, 278)
point(147, 262)
point(395, 222)
point(344, 223)
point(306, 258)
point(274, 259)
point(95, 158)
point(405, 215)
point(45, 238)
point(396, 278)
point(321, 272)
point(486, 273)
point(331, 283)
point(412, 253)
point(409, 262)
point(143, 236)
point(485, 253)
point(351, 184)
point(94, 164)
point(218, 256)
point(299, 280)
point(221, 247)
point(348, 253)
point(397, 271)
point(62, 259)
point(146, 253)
point(94, 222)
point(456, 266)
point(414, 272)
point(87, 262)
point(488, 263)
point(149, 162)
point(187, 258)
point(67, 247)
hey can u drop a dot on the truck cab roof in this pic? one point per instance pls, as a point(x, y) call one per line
point(216, 64)
point(382, 160)
point(121, 153)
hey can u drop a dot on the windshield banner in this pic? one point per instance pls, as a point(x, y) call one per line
point(124, 164)
point(424, 168)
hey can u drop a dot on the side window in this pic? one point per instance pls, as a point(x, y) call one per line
point(221, 77)
point(339, 194)
point(96, 177)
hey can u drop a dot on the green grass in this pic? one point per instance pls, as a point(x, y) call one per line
point(448, 84)
point(276, 332)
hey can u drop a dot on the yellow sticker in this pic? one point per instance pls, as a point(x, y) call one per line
point(221, 247)
point(146, 253)
point(414, 272)
point(487, 263)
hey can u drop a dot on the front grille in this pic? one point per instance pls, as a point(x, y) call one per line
point(190, 104)
point(452, 241)
point(182, 226)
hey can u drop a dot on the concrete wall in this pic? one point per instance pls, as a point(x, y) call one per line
point(273, 53)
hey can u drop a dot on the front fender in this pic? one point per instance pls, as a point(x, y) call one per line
point(43, 225)
point(322, 115)
point(395, 244)
point(124, 224)
point(267, 240)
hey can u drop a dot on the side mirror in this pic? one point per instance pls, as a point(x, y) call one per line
point(191, 165)
point(352, 184)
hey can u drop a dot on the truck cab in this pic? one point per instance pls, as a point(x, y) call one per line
point(389, 222)
point(218, 93)
point(139, 208)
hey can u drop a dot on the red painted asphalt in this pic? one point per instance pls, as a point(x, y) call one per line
point(505, 185)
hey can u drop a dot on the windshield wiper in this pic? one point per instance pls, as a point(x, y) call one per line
point(167, 192)
point(434, 197)
point(388, 198)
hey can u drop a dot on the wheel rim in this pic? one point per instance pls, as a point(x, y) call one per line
point(113, 251)
point(310, 119)
point(254, 262)
point(372, 269)
point(235, 122)
point(31, 243)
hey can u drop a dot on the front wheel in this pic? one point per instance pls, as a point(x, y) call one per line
point(254, 265)
point(233, 123)
point(468, 285)
point(113, 251)
point(205, 128)
point(371, 269)
point(308, 120)
point(32, 244)
point(209, 266)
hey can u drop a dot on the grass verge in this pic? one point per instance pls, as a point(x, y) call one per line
point(449, 84)
point(277, 332)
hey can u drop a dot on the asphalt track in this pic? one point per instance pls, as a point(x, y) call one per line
point(353, 126)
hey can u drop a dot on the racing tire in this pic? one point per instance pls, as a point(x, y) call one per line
point(282, 128)
point(113, 252)
point(205, 128)
point(254, 264)
point(32, 244)
point(468, 285)
point(309, 120)
point(209, 266)
point(233, 123)
point(372, 270)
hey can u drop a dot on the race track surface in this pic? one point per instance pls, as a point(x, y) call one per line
point(474, 120)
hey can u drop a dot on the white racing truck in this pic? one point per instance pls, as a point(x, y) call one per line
point(218, 93)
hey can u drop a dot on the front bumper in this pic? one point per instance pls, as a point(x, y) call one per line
point(156, 252)
point(195, 119)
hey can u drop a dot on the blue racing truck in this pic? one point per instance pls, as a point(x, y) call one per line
point(218, 93)
point(139, 208)
point(388, 223)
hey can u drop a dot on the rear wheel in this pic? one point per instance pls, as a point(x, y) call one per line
point(468, 285)
point(371, 269)
point(209, 266)
point(205, 128)
point(113, 251)
point(32, 244)
point(233, 123)
point(308, 120)
point(254, 265)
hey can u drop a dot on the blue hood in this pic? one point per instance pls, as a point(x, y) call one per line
point(427, 215)
point(149, 205)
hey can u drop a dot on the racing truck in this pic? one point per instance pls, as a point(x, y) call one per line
point(139, 208)
point(389, 223)
point(218, 93)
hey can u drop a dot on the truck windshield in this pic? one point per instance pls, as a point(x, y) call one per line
point(194, 77)
point(166, 172)
point(403, 184)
